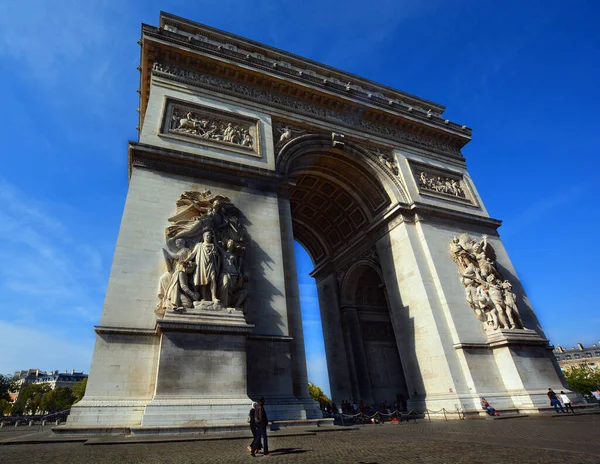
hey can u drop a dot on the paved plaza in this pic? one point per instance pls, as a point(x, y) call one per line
point(570, 440)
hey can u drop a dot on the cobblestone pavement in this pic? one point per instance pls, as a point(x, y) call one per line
point(530, 440)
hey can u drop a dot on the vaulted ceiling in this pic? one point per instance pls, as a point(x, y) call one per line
point(334, 199)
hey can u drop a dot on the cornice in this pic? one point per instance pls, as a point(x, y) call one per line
point(227, 50)
point(339, 116)
point(417, 110)
point(100, 329)
point(272, 55)
point(395, 215)
point(194, 165)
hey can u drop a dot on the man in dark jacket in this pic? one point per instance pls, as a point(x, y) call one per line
point(261, 419)
point(253, 427)
point(554, 401)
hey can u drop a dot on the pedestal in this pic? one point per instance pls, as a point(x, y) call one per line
point(201, 374)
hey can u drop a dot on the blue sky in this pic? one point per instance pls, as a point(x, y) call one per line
point(523, 74)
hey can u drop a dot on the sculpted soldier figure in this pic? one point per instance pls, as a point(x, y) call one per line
point(510, 300)
point(497, 297)
point(231, 279)
point(207, 258)
point(171, 260)
point(179, 295)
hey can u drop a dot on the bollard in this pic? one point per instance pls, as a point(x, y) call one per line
point(43, 422)
point(17, 423)
point(30, 423)
point(2, 425)
point(57, 422)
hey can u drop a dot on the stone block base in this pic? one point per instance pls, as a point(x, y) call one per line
point(196, 412)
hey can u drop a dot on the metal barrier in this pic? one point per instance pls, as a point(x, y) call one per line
point(55, 418)
point(401, 415)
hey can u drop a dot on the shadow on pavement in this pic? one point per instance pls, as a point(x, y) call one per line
point(281, 451)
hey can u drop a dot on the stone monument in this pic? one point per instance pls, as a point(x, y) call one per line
point(243, 149)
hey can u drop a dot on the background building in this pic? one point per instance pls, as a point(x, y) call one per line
point(55, 379)
point(578, 356)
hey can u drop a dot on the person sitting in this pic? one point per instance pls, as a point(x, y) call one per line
point(487, 408)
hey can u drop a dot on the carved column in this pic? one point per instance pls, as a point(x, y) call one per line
point(352, 323)
point(337, 362)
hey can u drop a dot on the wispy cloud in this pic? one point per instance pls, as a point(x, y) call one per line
point(541, 209)
point(48, 277)
point(47, 37)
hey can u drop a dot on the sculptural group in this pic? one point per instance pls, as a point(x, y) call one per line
point(204, 255)
point(209, 127)
point(487, 292)
point(441, 184)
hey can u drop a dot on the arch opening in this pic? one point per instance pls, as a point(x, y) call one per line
point(336, 196)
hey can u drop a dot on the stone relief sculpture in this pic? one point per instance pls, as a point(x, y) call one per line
point(438, 184)
point(211, 127)
point(204, 256)
point(488, 294)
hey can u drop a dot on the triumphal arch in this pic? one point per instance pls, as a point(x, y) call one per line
point(243, 149)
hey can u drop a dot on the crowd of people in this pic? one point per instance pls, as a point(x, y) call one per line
point(359, 412)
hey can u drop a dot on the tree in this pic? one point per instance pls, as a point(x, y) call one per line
point(5, 407)
point(7, 384)
point(317, 394)
point(79, 390)
point(56, 400)
point(31, 396)
point(582, 379)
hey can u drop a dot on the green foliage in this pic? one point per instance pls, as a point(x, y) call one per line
point(56, 400)
point(317, 394)
point(7, 384)
point(5, 407)
point(31, 396)
point(79, 390)
point(17, 409)
point(582, 379)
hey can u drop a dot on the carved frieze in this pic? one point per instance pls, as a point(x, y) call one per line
point(442, 184)
point(289, 103)
point(204, 125)
point(487, 292)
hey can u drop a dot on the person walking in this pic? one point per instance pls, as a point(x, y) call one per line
point(554, 401)
point(261, 419)
point(252, 422)
point(566, 401)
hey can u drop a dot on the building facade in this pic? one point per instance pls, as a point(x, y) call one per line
point(578, 356)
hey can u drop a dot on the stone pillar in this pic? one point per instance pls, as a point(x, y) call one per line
point(351, 321)
point(418, 324)
point(294, 312)
point(337, 362)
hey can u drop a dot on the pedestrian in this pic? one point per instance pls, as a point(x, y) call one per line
point(252, 422)
point(261, 419)
point(566, 401)
point(554, 401)
point(487, 408)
